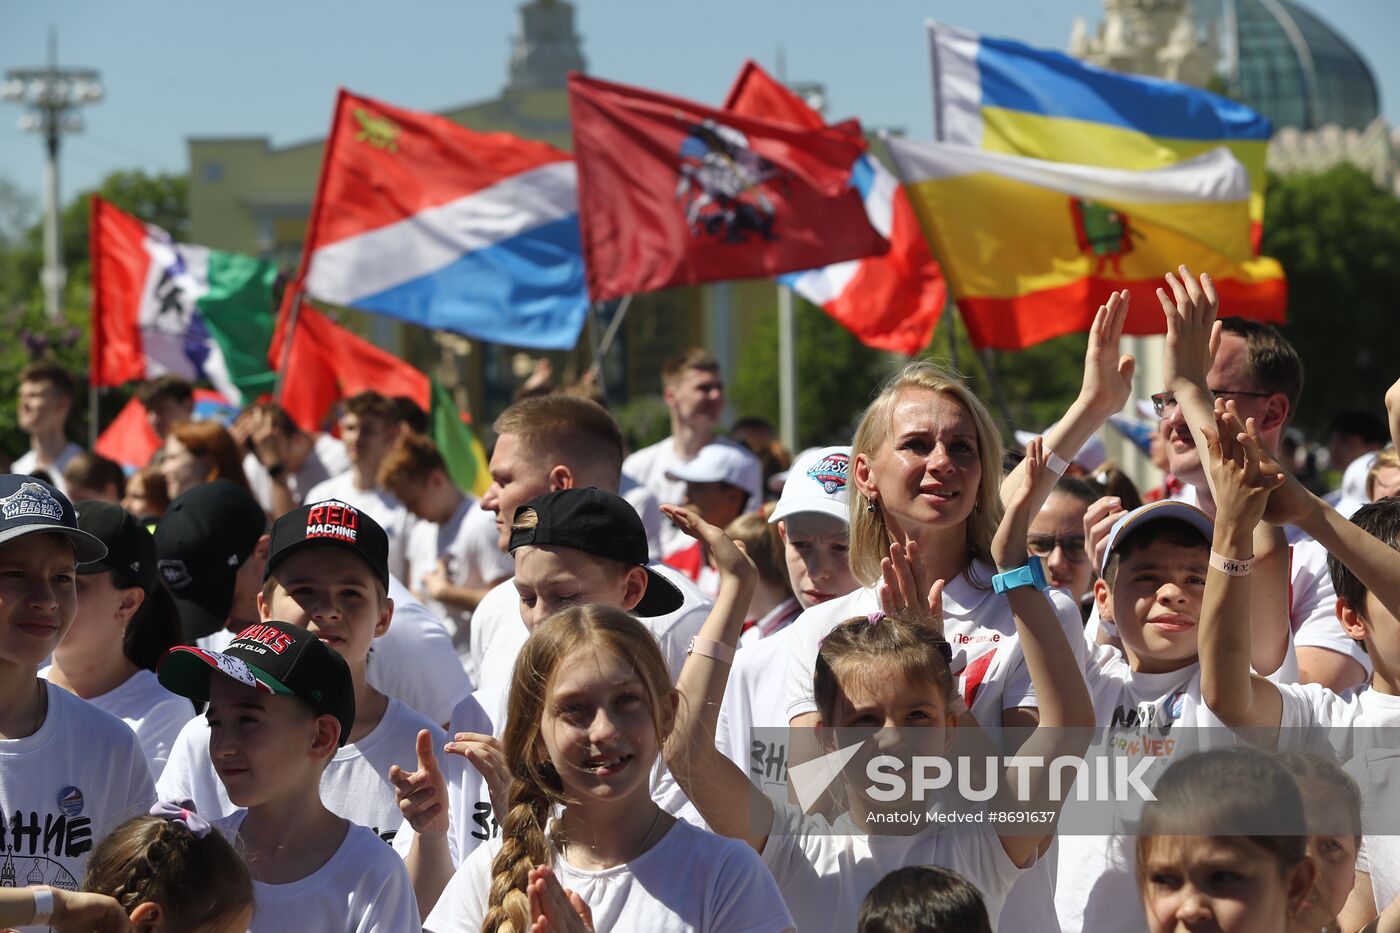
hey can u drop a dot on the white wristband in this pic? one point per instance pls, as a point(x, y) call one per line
point(43, 905)
point(1230, 566)
point(1056, 464)
point(709, 648)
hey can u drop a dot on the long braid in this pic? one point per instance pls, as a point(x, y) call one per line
point(523, 846)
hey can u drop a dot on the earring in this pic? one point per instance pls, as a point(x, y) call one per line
point(869, 506)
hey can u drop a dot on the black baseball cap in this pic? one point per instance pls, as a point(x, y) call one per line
point(131, 551)
point(330, 523)
point(30, 506)
point(601, 524)
point(201, 541)
point(274, 657)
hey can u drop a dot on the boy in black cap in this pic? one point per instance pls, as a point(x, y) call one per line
point(281, 703)
point(69, 772)
point(571, 547)
point(327, 572)
point(209, 550)
point(126, 621)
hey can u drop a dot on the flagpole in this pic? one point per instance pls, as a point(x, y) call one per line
point(93, 414)
point(614, 326)
point(288, 336)
point(787, 370)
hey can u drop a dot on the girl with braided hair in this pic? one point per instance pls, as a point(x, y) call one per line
point(169, 873)
point(583, 845)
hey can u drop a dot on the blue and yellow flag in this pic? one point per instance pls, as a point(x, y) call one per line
point(1004, 96)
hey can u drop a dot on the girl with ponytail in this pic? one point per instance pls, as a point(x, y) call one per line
point(170, 873)
point(583, 845)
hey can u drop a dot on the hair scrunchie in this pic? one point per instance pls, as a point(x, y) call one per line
point(182, 811)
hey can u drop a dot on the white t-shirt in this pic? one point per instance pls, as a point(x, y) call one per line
point(978, 624)
point(62, 789)
point(1317, 718)
point(363, 888)
point(467, 541)
point(154, 713)
point(649, 466)
point(1096, 887)
point(415, 660)
point(326, 458)
point(648, 509)
point(354, 785)
point(754, 699)
point(691, 881)
point(498, 627)
point(28, 462)
point(379, 504)
point(825, 870)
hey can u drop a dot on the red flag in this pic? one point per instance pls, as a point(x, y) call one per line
point(890, 301)
point(120, 261)
point(328, 363)
point(675, 193)
point(129, 439)
point(755, 93)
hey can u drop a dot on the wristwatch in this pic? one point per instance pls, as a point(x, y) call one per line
point(1032, 574)
point(276, 470)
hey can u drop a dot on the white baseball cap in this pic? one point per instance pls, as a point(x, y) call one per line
point(723, 462)
point(819, 481)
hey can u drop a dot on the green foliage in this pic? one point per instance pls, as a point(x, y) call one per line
point(836, 375)
point(643, 420)
point(30, 335)
point(1338, 237)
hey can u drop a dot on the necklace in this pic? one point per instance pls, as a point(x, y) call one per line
point(641, 847)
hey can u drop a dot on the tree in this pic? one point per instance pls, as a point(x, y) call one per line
point(1337, 235)
point(157, 199)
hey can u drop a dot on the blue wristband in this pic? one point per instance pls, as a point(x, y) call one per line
point(1032, 574)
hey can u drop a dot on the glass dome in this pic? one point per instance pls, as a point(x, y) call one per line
point(1288, 64)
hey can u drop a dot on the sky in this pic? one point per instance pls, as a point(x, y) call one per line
point(173, 70)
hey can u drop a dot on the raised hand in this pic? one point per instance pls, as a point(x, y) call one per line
point(905, 593)
point(1009, 543)
point(729, 559)
point(1193, 332)
point(1392, 410)
point(1108, 373)
point(554, 909)
point(488, 757)
point(1099, 520)
point(1242, 484)
point(422, 794)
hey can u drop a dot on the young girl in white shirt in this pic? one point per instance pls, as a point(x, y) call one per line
point(591, 703)
point(888, 674)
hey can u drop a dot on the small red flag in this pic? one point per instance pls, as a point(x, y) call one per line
point(328, 363)
point(674, 193)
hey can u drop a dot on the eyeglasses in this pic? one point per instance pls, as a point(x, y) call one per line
point(1164, 400)
point(1044, 546)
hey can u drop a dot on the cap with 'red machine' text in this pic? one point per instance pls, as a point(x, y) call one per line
point(334, 523)
point(274, 658)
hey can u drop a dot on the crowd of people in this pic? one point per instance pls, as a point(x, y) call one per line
point(279, 680)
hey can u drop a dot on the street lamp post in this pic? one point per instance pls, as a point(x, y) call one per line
point(53, 96)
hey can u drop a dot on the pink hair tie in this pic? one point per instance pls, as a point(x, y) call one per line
point(875, 617)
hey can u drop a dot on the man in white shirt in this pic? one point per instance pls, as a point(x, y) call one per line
point(720, 482)
point(45, 399)
point(286, 462)
point(369, 428)
point(452, 552)
point(1259, 370)
point(694, 393)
